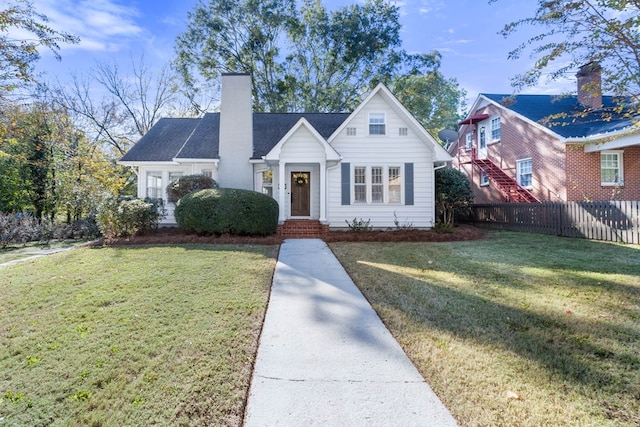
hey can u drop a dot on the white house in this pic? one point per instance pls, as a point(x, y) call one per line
point(376, 163)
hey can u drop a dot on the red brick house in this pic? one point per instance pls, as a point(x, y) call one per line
point(527, 148)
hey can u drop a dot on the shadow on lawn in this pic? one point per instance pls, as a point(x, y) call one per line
point(598, 353)
point(560, 345)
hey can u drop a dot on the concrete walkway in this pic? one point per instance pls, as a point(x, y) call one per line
point(37, 253)
point(325, 358)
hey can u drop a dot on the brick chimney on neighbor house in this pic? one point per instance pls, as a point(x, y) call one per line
point(590, 85)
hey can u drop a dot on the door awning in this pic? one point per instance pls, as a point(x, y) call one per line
point(474, 119)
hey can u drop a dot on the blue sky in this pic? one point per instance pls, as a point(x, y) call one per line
point(464, 31)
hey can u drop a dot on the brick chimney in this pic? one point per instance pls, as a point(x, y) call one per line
point(590, 85)
point(236, 132)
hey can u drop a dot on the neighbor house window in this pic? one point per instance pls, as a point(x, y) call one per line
point(469, 141)
point(267, 183)
point(154, 185)
point(403, 131)
point(377, 124)
point(483, 138)
point(611, 168)
point(377, 184)
point(495, 129)
point(524, 170)
point(351, 131)
point(484, 179)
point(394, 185)
point(360, 184)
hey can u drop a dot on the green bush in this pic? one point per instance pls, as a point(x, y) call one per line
point(227, 211)
point(187, 184)
point(126, 216)
point(453, 193)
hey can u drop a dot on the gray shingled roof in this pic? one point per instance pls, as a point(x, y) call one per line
point(565, 115)
point(198, 138)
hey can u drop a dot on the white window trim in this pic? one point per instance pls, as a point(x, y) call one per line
point(484, 179)
point(146, 184)
point(490, 139)
point(518, 166)
point(369, 184)
point(482, 137)
point(260, 181)
point(468, 143)
point(620, 182)
point(384, 123)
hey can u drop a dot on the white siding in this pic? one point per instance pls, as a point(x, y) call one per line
point(186, 169)
point(388, 150)
point(302, 152)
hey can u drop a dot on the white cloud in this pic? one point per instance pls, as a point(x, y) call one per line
point(102, 25)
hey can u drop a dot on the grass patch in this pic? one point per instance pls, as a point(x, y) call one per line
point(519, 329)
point(131, 336)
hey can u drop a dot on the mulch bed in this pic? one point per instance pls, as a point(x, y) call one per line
point(177, 236)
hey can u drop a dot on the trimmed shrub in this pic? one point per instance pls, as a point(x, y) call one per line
point(227, 211)
point(126, 216)
point(187, 184)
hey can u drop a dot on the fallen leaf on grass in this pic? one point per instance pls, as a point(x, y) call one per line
point(513, 395)
point(568, 312)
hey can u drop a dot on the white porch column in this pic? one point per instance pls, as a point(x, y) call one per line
point(281, 191)
point(323, 191)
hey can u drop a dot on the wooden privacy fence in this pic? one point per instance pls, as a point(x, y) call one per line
point(613, 221)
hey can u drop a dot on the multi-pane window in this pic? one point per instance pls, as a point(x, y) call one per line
point(174, 175)
point(208, 173)
point(377, 185)
point(377, 124)
point(360, 184)
point(495, 129)
point(524, 174)
point(611, 168)
point(267, 183)
point(154, 185)
point(469, 141)
point(394, 185)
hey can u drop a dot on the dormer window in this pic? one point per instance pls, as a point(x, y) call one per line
point(377, 124)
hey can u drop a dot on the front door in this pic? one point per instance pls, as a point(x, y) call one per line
point(300, 194)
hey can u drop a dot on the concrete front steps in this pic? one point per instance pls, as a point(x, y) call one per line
point(302, 228)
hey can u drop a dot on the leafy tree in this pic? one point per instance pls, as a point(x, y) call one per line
point(578, 32)
point(453, 193)
point(304, 58)
point(51, 166)
point(236, 36)
point(18, 56)
point(434, 100)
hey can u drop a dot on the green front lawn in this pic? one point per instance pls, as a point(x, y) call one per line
point(160, 335)
point(514, 330)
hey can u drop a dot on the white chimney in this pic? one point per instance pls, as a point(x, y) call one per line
point(236, 132)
